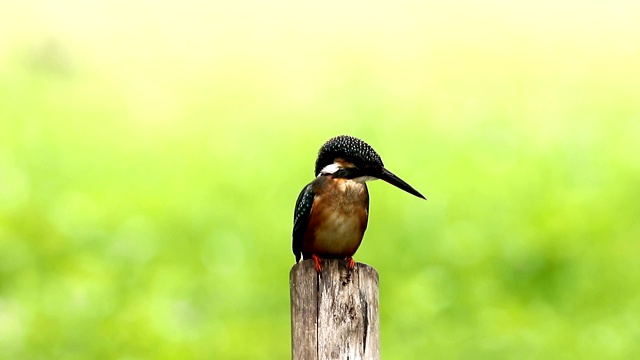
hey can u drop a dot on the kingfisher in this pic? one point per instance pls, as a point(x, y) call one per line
point(332, 211)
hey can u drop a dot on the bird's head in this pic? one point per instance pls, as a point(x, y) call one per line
point(351, 158)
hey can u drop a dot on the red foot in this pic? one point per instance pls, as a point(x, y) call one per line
point(318, 262)
point(352, 263)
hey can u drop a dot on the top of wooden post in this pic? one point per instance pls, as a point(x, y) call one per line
point(334, 314)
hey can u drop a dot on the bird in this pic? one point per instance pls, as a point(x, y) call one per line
point(332, 211)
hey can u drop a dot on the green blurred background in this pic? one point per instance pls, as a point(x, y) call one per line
point(151, 154)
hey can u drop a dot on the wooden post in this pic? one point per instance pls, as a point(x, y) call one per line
point(334, 315)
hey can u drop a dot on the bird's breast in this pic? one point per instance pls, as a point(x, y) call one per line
point(338, 219)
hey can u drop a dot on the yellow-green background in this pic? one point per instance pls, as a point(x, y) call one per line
point(151, 153)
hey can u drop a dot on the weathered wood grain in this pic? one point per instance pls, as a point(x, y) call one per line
point(334, 315)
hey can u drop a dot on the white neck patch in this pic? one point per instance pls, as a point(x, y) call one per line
point(330, 169)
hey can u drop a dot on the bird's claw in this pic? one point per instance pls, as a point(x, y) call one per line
point(317, 262)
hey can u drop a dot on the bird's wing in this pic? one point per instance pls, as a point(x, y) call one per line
point(301, 218)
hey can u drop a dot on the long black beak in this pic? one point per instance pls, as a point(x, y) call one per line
point(389, 177)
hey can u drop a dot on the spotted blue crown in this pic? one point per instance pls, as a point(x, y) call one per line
point(350, 149)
